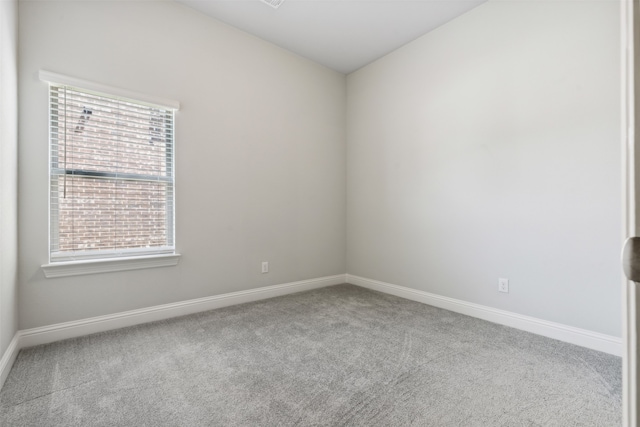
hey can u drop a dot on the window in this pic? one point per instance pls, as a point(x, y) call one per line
point(112, 176)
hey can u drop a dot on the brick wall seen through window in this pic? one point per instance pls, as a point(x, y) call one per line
point(111, 175)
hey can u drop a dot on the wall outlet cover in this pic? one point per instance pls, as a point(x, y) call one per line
point(503, 285)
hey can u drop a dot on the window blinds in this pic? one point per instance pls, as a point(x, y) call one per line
point(112, 176)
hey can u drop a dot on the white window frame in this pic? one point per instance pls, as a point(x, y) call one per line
point(109, 261)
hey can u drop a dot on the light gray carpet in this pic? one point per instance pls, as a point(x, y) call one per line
point(336, 356)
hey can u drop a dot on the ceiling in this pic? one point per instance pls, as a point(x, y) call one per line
point(341, 34)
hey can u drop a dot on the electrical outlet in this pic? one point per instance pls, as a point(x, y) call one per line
point(265, 266)
point(503, 285)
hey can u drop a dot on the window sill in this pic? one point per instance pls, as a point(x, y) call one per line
point(77, 268)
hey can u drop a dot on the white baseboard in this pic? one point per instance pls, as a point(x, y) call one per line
point(9, 356)
point(582, 337)
point(77, 328)
point(60, 331)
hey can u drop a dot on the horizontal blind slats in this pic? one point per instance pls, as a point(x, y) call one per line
point(70, 95)
point(119, 128)
point(76, 107)
point(109, 175)
point(112, 176)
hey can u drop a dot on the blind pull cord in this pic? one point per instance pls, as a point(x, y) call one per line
point(64, 183)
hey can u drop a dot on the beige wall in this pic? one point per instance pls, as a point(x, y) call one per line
point(491, 148)
point(8, 172)
point(260, 153)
